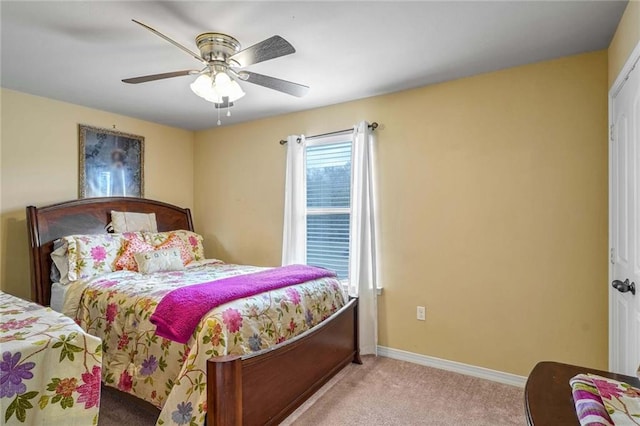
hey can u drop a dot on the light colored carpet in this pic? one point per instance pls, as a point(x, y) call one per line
point(382, 391)
point(385, 391)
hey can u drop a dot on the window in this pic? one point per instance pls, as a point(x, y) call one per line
point(328, 180)
point(330, 196)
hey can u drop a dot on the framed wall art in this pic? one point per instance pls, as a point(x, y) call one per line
point(111, 163)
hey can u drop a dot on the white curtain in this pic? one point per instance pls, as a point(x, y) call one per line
point(363, 265)
point(294, 236)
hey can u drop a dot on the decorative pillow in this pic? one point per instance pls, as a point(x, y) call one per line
point(127, 261)
point(192, 240)
point(133, 222)
point(159, 260)
point(90, 255)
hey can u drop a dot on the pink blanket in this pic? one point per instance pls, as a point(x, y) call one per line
point(179, 312)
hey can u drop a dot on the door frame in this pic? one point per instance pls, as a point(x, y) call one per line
point(632, 61)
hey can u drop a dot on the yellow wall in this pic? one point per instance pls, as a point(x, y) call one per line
point(493, 195)
point(626, 38)
point(39, 161)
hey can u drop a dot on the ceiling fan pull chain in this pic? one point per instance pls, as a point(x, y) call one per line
point(219, 122)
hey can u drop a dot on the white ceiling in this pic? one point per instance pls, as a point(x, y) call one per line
point(79, 51)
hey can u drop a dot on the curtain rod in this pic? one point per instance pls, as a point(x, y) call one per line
point(372, 126)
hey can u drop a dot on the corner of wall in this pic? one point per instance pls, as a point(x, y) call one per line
point(625, 39)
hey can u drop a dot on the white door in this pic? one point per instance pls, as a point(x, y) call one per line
point(624, 231)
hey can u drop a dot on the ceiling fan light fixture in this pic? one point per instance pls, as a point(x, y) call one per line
point(222, 80)
point(214, 90)
point(202, 85)
point(233, 91)
point(226, 87)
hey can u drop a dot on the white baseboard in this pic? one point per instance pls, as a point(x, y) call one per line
point(456, 367)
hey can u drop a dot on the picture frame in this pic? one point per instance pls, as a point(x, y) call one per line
point(111, 163)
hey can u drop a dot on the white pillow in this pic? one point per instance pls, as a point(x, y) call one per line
point(159, 261)
point(133, 222)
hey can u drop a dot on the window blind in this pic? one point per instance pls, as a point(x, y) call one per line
point(328, 172)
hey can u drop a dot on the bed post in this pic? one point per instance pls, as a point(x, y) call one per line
point(224, 391)
point(35, 259)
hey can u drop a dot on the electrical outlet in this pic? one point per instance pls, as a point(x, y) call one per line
point(421, 313)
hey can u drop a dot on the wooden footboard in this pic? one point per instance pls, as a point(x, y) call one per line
point(265, 387)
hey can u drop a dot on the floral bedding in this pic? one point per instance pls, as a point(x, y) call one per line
point(117, 306)
point(604, 402)
point(50, 368)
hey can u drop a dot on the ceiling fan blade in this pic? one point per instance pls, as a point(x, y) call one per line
point(175, 43)
point(271, 48)
point(145, 78)
point(285, 86)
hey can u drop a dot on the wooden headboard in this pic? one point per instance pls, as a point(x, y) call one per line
point(85, 216)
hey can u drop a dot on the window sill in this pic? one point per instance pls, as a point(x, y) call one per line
point(345, 285)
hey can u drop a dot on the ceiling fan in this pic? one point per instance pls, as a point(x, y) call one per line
point(223, 62)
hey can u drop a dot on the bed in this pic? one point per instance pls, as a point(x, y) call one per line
point(50, 368)
point(261, 387)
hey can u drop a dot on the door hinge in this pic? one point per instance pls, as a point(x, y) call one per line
point(611, 132)
point(612, 257)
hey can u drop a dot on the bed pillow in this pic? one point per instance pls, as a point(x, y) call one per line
point(192, 241)
point(133, 222)
point(136, 244)
point(159, 261)
point(90, 255)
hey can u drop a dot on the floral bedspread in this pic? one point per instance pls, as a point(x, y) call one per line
point(50, 368)
point(117, 306)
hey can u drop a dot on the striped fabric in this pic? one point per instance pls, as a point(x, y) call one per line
point(589, 406)
point(603, 401)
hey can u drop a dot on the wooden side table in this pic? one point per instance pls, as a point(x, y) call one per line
point(547, 394)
